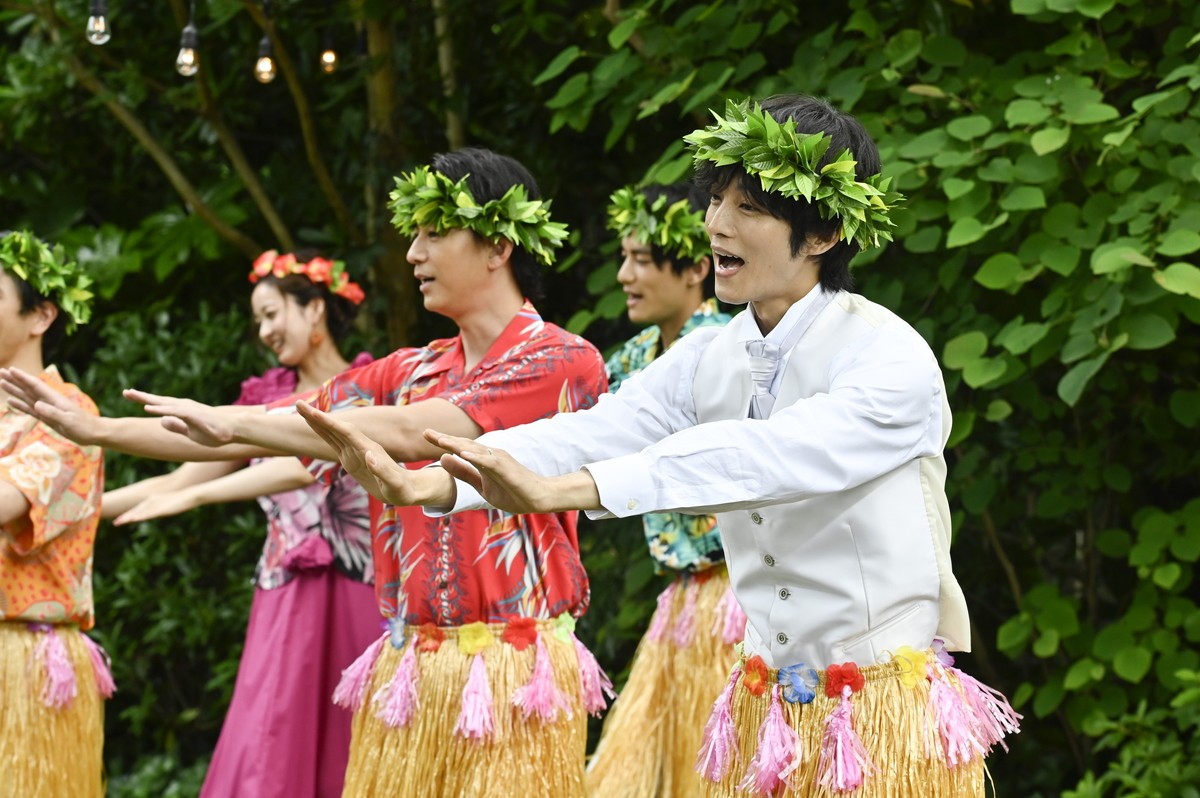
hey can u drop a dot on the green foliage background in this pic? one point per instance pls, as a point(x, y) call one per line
point(1051, 156)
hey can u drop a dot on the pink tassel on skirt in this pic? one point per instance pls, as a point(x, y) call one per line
point(685, 624)
point(955, 722)
point(540, 696)
point(59, 689)
point(100, 668)
point(844, 760)
point(352, 688)
point(658, 624)
point(475, 721)
point(397, 700)
point(593, 681)
point(778, 753)
point(994, 716)
point(720, 745)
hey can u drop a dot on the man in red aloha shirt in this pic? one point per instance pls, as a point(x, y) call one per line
point(480, 687)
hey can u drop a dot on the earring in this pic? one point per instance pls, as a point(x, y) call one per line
point(316, 338)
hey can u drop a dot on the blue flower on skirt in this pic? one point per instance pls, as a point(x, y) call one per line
point(799, 683)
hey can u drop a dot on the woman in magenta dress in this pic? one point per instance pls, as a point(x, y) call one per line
point(314, 607)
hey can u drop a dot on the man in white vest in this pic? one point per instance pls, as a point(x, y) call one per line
point(817, 440)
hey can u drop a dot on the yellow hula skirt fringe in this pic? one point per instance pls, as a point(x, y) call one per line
point(53, 680)
point(478, 711)
point(910, 727)
point(648, 746)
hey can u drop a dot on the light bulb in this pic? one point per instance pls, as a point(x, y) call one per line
point(97, 30)
point(188, 62)
point(329, 60)
point(264, 67)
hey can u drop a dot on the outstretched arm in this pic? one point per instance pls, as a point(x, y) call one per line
point(397, 429)
point(144, 437)
point(261, 479)
point(120, 500)
point(374, 469)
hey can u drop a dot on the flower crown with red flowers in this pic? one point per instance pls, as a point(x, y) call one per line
point(319, 270)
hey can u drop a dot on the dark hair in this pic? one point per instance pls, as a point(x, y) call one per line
point(31, 299)
point(811, 115)
point(698, 201)
point(339, 311)
point(490, 175)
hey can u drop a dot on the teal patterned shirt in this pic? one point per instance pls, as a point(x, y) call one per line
point(677, 542)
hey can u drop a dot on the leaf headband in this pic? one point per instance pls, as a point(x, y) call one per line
point(677, 229)
point(50, 272)
point(321, 271)
point(786, 162)
point(424, 198)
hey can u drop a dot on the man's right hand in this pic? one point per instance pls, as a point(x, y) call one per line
point(375, 470)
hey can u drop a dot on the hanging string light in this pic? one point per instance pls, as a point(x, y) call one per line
point(264, 67)
point(329, 56)
point(97, 30)
point(187, 63)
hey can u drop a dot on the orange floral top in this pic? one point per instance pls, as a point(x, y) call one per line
point(46, 556)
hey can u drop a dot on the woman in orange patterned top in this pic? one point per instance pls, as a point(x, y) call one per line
point(52, 676)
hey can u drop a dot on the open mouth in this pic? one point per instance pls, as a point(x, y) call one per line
point(727, 262)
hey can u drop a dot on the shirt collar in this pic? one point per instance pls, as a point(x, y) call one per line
point(748, 331)
point(521, 328)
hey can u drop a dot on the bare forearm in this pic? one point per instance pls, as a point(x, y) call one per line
point(121, 500)
point(280, 434)
point(400, 429)
point(145, 437)
point(276, 475)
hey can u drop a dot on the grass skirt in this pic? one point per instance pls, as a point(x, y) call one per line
point(648, 746)
point(51, 716)
point(892, 736)
point(440, 716)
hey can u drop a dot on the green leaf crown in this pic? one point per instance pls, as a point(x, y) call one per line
point(50, 272)
point(786, 162)
point(425, 198)
point(675, 228)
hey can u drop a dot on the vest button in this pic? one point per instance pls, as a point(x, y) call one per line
point(782, 638)
point(756, 518)
point(768, 559)
point(784, 593)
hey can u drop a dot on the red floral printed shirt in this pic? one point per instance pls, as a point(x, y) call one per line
point(483, 565)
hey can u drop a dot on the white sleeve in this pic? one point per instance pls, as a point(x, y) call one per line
point(884, 408)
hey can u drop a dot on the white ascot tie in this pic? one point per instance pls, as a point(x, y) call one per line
point(766, 356)
point(764, 362)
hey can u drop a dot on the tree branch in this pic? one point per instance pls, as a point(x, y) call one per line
point(146, 139)
point(390, 271)
point(211, 112)
point(308, 128)
point(1009, 571)
point(455, 134)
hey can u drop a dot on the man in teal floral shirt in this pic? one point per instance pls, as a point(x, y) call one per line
point(650, 739)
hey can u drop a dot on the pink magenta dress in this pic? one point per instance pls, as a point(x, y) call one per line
point(313, 613)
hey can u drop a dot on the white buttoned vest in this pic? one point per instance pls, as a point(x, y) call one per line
point(842, 577)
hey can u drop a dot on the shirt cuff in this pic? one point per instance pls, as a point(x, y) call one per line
point(466, 498)
point(625, 486)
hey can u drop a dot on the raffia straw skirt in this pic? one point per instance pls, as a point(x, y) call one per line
point(429, 754)
point(51, 726)
point(650, 738)
point(892, 733)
